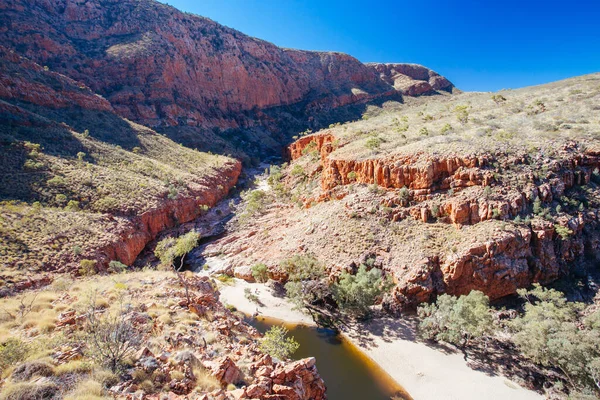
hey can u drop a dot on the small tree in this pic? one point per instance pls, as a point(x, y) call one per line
point(169, 250)
point(456, 320)
point(260, 272)
point(305, 284)
point(355, 294)
point(277, 344)
point(550, 334)
point(111, 337)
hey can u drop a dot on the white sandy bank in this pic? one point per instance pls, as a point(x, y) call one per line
point(424, 372)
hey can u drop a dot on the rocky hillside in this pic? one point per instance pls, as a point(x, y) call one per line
point(78, 182)
point(174, 348)
point(475, 191)
point(205, 85)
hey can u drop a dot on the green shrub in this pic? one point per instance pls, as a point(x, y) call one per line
point(56, 181)
point(87, 267)
point(462, 114)
point(563, 231)
point(404, 193)
point(537, 206)
point(356, 293)
point(60, 199)
point(446, 128)
point(297, 171)
point(260, 272)
point(73, 205)
point(303, 267)
point(117, 267)
point(277, 344)
point(456, 320)
point(12, 351)
point(373, 143)
point(351, 176)
point(107, 204)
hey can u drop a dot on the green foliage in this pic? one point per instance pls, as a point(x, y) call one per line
point(351, 176)
point(446, 128)
point(424, 131)
point(169, 249)
point(537, 206)
point(12, 351)
point(297, 171)
point(373, 143)
point(106, 204)
point(277, 344)
point(487, 192)
point(310, 148)
point(87, 267)
point(404, 193)
point(72, 205)
point(356, 293)
point(260, 272)
point(563, 231)
point(251, 296)
point(550, 334)
point(456, 320)
point(303, 267)
point(117, 267)
point(462, 113)
point(256, 200)
point(56, 181)
point(61, 199)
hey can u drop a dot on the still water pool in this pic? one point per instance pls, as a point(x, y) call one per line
point(347, 372)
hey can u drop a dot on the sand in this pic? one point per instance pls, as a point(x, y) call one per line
point(425, 372)
point(272, 307)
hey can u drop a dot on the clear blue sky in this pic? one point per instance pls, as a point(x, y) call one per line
point(482, 45)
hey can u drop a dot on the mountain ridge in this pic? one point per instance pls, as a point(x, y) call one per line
point(167, 69)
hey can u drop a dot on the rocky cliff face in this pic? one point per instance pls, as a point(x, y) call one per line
point(495, 261)
point(164, 68)
point(411, 79)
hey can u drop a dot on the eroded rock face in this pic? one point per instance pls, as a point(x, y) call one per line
point(492, 256)
point(163, 68)
point(411, 79)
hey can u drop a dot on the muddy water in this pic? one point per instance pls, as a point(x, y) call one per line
point(347, 372)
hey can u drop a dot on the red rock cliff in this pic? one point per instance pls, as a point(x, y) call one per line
point(161, 67)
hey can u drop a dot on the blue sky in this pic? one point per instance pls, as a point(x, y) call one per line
point(481, 45)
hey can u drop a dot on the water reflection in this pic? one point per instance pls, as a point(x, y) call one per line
point(348, 373)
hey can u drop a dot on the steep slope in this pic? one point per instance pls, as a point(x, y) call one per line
point(79, 182)
point(164, 68)
point(477, 191)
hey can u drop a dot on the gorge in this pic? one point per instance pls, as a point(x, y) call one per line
point(167, 183)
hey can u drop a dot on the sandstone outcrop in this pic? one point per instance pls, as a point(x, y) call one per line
point(411, 79)
point(494, 258)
